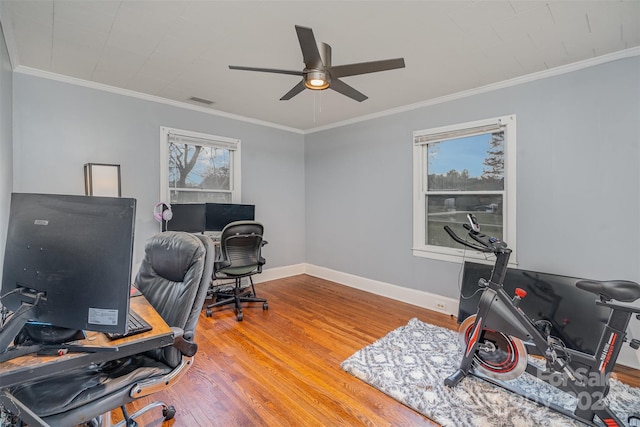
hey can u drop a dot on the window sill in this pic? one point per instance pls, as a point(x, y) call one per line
point(459, 256)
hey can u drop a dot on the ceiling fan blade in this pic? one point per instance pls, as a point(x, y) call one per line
point(309, 47)
point(365, 67)
point(266, 70)
point(343, 88)
point(294, 91)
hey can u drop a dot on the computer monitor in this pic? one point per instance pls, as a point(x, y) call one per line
point(76, 251)
point(571, 311)
point(218, 215)
point(189, 217)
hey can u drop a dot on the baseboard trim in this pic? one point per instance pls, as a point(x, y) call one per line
point(410, 296)
point(279, 273)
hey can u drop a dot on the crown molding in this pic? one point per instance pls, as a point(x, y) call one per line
point(563, 69)
point(131, 93)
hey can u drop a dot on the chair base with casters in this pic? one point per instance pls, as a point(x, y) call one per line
point(239, 256)
point(168, 412)
point(237, 295)
point(142, 389)
point(145, 388)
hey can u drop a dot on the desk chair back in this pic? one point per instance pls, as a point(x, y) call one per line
point(240, 246)
point(173, 277)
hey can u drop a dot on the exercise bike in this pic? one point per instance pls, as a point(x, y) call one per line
point(499, 337)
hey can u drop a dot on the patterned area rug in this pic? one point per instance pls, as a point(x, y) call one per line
point(411, 363)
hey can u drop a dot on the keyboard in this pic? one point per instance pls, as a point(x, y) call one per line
point(135, 325)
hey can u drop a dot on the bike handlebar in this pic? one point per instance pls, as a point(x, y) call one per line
point(455, 237)
point(485, 243)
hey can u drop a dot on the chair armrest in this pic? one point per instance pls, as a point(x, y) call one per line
point(263, 261)
point(182, 341)
point(155, 384)
point(219, 265)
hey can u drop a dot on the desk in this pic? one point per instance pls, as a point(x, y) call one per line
point(33, 367)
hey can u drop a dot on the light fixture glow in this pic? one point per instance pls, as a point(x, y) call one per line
point(316, 80)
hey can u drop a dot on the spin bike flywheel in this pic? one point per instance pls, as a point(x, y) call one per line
point(499, 356)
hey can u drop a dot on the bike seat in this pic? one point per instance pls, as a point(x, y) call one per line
point(619, 290)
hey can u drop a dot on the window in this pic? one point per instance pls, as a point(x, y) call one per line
point(199, 168)
point(461, 169)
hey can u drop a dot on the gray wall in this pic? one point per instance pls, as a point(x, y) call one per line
point(58, 127)
point(6, 141)
point(578, 185)
point(342, 198)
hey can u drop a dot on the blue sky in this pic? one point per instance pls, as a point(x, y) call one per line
point(463, 153)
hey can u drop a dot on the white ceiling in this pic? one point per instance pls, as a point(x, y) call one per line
point(181, 49)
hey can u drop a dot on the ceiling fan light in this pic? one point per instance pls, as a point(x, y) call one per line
point(316, 80)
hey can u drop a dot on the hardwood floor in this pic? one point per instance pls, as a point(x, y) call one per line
point(281, 367)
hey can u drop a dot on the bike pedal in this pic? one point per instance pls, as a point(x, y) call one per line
point(635, 344)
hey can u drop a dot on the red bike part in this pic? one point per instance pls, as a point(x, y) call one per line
point(499, 356)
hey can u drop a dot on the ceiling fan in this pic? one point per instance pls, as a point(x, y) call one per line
point(319, 74)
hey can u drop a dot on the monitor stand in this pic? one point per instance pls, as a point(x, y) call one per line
point(45, 333)
point(14, 325)
point(17, 321)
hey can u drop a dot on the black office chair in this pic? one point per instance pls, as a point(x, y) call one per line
point(239, 256)
point(174, 277)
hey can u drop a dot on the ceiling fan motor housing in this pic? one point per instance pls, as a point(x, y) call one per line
point(317, 79)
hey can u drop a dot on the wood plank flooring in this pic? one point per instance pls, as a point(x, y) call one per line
point(281, 367)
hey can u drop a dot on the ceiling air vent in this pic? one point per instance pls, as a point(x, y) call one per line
point(201, 100)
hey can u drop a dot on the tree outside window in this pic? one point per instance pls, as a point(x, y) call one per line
point(201, 168)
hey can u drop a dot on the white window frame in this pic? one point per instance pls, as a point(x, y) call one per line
point(420, 141)
point(198, 138)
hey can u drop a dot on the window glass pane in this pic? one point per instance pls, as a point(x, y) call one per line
point(472, 163)
point(203, 167)
point(199, 197)
point(452, 210)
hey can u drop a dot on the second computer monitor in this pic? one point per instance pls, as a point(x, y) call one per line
point(189, 217)
point(218, 215)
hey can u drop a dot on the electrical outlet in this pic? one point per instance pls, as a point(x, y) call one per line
point(441, 306)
